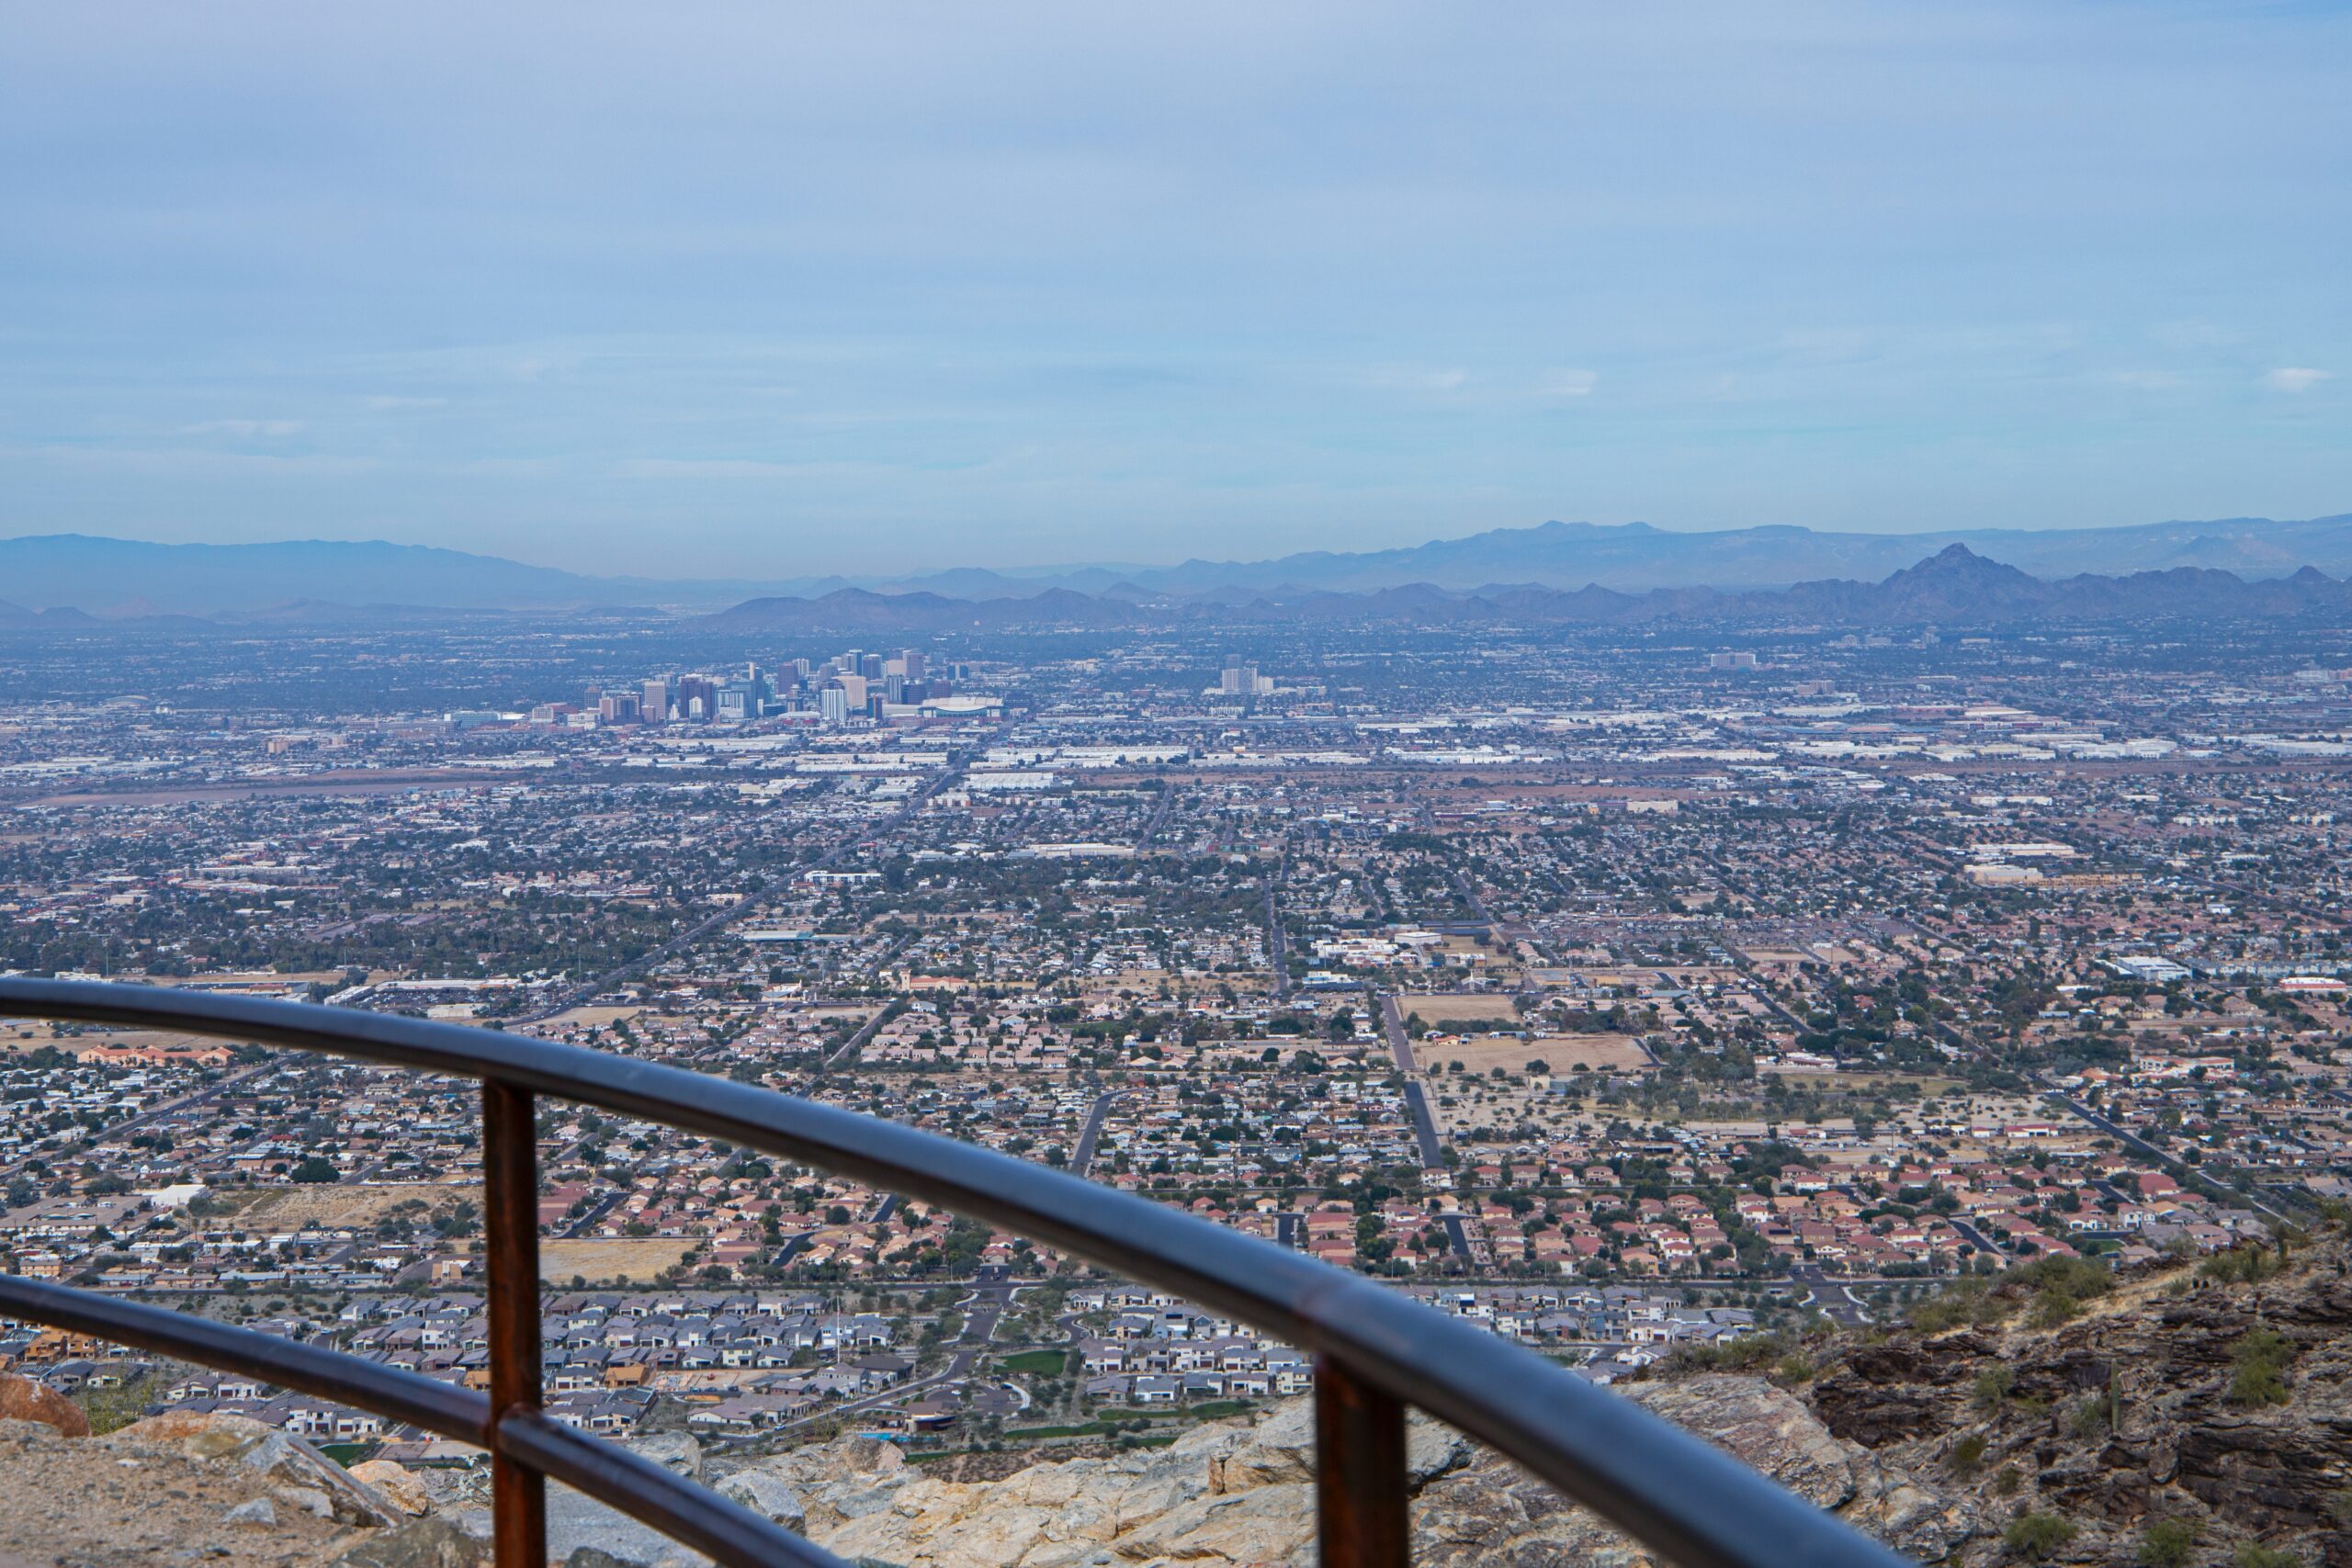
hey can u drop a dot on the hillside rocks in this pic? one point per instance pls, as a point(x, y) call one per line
point(21, 1399)
point(301, 1476)
point(394, 1485)
point(1242, 1494)
point(2128, 1414)
point(118, 1500)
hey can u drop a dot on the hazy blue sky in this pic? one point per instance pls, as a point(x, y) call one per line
point(693, 288)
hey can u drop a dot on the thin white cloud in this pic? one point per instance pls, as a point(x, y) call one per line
point(702, 468)
point(1568, 383)
point(274, 429)
point(2296, 379)
point(1416, 379)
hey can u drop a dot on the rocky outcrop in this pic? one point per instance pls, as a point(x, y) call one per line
point(1242, 1494)
point(21, 1399)
point(300, 1476)
point(146, 1503)
point(394, 1485)
point(2126, 1415)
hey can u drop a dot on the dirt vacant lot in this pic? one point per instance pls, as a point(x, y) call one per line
point(1562, 1053)
point(601, 1262)
point(1438, 1009)
point(334, 1207)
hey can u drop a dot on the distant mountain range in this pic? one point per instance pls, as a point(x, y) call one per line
point(1955, 587)
point(1634, 557)
point(43, 578)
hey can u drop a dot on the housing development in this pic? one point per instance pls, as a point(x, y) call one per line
point(1623, 991)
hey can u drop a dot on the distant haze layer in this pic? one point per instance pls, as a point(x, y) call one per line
point(124, 579)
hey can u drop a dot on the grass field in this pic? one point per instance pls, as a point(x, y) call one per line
point(1038, 1363)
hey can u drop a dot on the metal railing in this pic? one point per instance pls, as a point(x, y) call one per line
point(1375, 1351)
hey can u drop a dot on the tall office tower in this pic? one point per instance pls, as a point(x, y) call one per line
point(834, 702)
point(894, 688)
point(917, 665)
point(1239, 678)
point(870, 666)
point(853, 690)
point(655, 701)
point(802, 668)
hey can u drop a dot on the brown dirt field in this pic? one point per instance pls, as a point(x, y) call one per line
point(1438, 1008)
point(28, 1035)
point(592, 1018)
point(289, 1208)
point(638, 1257)
point(1600, 1053)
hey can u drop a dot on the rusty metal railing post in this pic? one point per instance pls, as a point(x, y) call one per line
point(1359, 1471)
point(510, 1162)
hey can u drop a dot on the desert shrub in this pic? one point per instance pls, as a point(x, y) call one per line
point(111, 1409)
point(2242, 1265)
point(2090, 1417)
point(1968, 1455)
point(2167, 1543)
point(2059, 1287)
point(2260, 1362)
point(2038, 1537)
point(2254, 1554)
point(1962, 1304)
point(1991, 1390)
point(1745, 1354)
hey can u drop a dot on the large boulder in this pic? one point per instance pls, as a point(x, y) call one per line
point(306, 1478)
point(394, 1483)
point(420, 1543)
point(21, 1399)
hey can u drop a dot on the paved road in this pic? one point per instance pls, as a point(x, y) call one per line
point(1275, 956)
point(1082, 1159)
point(1416, 1105)
point(1159, 817)
point(1835, 1297)
point(1470, 896)
point(2188, 1175)
point(1424, 1124)
point(1970, 1235)
point(992, 1291)
point(856, 1043)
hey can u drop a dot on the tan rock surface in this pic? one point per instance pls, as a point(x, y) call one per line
point(394, 1485)
point(1242, 1494)
point(21, 1399)
point(83, 1502)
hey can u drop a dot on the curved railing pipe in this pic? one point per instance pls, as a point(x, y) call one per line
point(1376, 1350)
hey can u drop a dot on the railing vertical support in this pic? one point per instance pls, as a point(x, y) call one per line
point(1359, 1471)
point(510, 1160)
